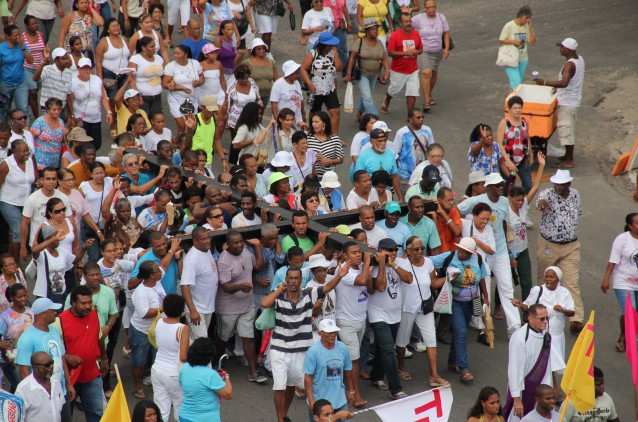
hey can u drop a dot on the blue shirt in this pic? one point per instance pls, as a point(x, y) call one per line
point(370, 161)
point(195, 46)
point(169, 281)
point(407, 149)
point(500, 213)
point(271, 259)
point(327, 368)
point(466, 285)
point(12, 64)
point(280, 276)
point(199, 385)
point(399, 233)
point(33, 340)
point(143, 179)
point(336, 200)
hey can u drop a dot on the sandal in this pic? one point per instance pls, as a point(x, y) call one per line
point(380, 385)
point(432, 101)
point(384, 107)
point(621, 345)
point(139, 394)
point(300, 392)
point(467, 377)
point(438, 382)
point(405, 376)
point(426, 108)
point(453, 367)
point(360, 404)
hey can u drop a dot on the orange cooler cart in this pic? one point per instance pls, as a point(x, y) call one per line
point(539, 109)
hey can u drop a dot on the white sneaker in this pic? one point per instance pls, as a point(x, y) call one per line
point(418, 347)
point(147, 380)
point(408, 353)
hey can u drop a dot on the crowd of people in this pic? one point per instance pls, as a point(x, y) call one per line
point(101, 232)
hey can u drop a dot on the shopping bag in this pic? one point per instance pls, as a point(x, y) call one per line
point(348, 102)
point(266, 320)
point(151, 331)
point(443, 304)
point(507, 56)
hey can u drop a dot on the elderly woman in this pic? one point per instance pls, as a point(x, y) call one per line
point(622, 271)
point(435, 35)
point(466, 273)
point(369, 54)
point(324, 141)
point(310, 203)
point(79, 23)
point(436, 152)
point(484, 154)
point(121, 226)
point(87, 93)
point(181, 77)
point(518, 32)
point(203, 387)
point(262, 68)
point(378, 10)
point(149, 69)
point(423, 280)
point(255, 182)
point(319, 70)
point(279, 188)
point(147, 299)
point(48, 131)
point(140, 182)
point(17, 174)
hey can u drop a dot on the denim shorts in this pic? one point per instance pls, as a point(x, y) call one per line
point(12, 214)
point(28, 79)
point(621, 297)
point(140, 348)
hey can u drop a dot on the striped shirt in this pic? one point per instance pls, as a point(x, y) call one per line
point(55, 84)
point(293, 321)
point(331, 149)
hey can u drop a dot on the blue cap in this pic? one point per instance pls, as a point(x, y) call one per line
point(44, 304)
point(326, 38)
point(392, 206)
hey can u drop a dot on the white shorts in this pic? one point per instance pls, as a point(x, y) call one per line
point(266, 24)
point(351, 335)
point(181, 7)
point(200, 330)
point(175, 102)
point(400, 80)
point(287, 369)
point(425, 324)
point(566, 124)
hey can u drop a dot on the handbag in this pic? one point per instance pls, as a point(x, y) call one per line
point(280, 9)
point(507, 56)
point(427, 305)
point(451, 46)
point(242, 23)
point(266, 320)
point(477, 305)
point(302, 83)
point(31, 272)
point(293, 21)
point(356, 70)
point(152, 338)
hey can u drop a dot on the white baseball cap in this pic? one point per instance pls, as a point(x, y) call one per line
point(328, 326)
point(290, 67)
point(569, 43)
point(318, 261)
point(59, 52)
point(84, 61)
point(380, 124)
point(130, 93)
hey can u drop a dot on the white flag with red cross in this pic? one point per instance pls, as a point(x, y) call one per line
point(428, 406)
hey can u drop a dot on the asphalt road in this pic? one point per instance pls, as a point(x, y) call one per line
point(470, 90)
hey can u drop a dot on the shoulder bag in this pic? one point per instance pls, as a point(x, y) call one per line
point(419, 143)
point(427, 305)
point(477, 303)
point(280, 9)
point(242, 23)
point(356, 70)
point(451, 46)
point(507, 56)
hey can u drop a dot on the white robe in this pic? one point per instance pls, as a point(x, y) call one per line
point(522, 358)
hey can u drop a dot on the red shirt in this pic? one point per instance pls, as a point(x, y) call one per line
point(80, 337)
point(400, 41)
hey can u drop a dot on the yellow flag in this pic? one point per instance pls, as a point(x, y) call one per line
point(117, 408)
point(578, 380)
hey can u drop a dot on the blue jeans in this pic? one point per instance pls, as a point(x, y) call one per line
point(516, 74)
point(342, 49)
point(366, 102)
point(12, 375)
point(18, 93)
point(12, 214)
point(107, 13)
point(461, 315)
point(92, 399)
point(141, 349)
point(385, 356)
point(621, 297)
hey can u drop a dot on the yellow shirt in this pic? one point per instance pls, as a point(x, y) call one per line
point(123, 114)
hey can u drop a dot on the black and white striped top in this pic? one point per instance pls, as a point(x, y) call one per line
point(331, 149)
point(293, 321)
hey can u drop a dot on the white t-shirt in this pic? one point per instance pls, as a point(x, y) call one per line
point(35, 208)
point(386, 306)
point(151, 139)
point(287, 96)
point(355, 147)
point(516, 224)
point(328, 309)
point(26, 137)
point(411, 297)
point(148, 77)
point(200, 273)
point(87, 99)
point(534, 416)
point(149, 219)
point(58, 265)
point(184, 76)
point(352, 300)
point(145, 298)
point(313, 19)
point(486, 237)
point(354, 201)
point(624, 253)
point(374, 236)
point(240, 220)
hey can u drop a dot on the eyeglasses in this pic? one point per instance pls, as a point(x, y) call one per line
point(418, 248)
point(541, 319)
point(59, 211)
point(216, 216)
point(312, 200)
point(46, 365)
point(20, 118)
point(133, 164)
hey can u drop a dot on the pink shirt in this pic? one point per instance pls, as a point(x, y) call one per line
point(338, 10)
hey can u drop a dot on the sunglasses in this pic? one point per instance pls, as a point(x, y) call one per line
point(418, 248)
point(59, 211)
point(46, 365)
point(313, 200)
point(20, 118)
point(391, 250)
point(542, 319)
point(216, 216)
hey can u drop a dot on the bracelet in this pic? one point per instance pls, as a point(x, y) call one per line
point(449, 221)
point(224, 159)
point(171, 252)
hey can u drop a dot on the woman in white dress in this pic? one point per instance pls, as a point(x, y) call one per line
point(95, 192)
point(214, 80)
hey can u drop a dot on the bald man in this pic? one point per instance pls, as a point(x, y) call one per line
point(43, 396)
point(193, 39)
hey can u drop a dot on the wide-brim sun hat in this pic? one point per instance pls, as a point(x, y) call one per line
point(282, 159)
point(326, 38)
point(258, 42)
point(330, 179)
point(467, 244)
point(476, 177)
point(276, 177)
point(289, 67)
point(494, 179)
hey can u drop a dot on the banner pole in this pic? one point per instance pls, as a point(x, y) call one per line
point(562, 413)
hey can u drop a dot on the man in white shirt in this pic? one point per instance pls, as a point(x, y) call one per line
point(362, 193)
point(56, 78)
point(545, 402)
point(199, 283)
point(43, 396)
point(34, 211)
point(374, 233)
point(247, 216)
